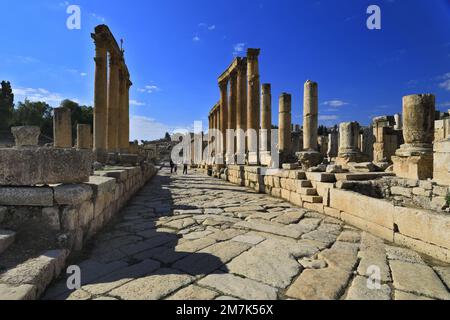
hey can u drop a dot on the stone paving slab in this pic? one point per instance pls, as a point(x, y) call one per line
point(198, 238)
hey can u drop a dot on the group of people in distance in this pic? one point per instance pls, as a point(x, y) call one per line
point(174, 167)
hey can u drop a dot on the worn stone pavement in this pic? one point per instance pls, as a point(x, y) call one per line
point(196, 237)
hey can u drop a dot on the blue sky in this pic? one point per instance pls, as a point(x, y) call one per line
point(176, 49)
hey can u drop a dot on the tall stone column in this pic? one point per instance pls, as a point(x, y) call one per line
point(113, 104)
point(310, 116)
point(284, 125)
point(126, 117)
point(310, 156)
point(123, 141)
point(414, 159)
point(84, 137)
point(253, 105)
point(266, 124)
point(62, 128)
point(232, 105)
point(223, 119)
point(100, 98)
point(241, 112)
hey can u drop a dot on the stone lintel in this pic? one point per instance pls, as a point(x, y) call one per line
point(232, 68)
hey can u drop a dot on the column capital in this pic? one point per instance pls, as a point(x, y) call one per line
point(253, 54)
point(223, 84)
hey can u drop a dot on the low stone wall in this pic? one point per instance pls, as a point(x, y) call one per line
point(72, 214)
point(426, 231)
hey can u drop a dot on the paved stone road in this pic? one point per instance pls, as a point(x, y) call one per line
point(195, 237)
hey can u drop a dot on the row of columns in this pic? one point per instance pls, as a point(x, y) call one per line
point(111, 96)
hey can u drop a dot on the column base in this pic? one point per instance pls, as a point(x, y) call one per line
point(253, 159)
point(309, 159)
point(266, 158)
point(240, 159)
point(416, 167)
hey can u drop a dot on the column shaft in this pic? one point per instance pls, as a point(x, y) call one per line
point(285, 119)
point(62, 128)
point(310, 116)
point(266, 116)
point(113, 105)
point(253, 104)
point(223, 116)
point(100, 98)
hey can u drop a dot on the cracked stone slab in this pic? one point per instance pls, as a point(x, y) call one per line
point(194, 292)
point(243, 288)
point(361, 290)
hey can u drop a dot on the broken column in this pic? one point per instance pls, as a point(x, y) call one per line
point(333, 144)
point(398, 122)
point(322, 143)
point(414, 159)
point(367, 140)
point(266, 124)
point(387, 140)
point(253, 105)
point(84, 136)
point(284, 131)
point(348, 144)
point(62, 128)
point(310, 156)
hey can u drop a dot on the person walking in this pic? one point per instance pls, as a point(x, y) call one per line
point(185, 168)
point(172, 166)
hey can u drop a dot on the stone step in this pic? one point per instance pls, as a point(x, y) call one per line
point(304, 184)
point(312, 199)
point(6, 239)
point(307, 191)
point(320, 177)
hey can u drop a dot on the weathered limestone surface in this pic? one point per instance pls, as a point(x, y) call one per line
point(195, 237)
point(62, 128)
point(34, 166)
point(26, 136)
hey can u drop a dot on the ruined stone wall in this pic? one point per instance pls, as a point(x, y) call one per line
point(397, 210)
point(68, 216)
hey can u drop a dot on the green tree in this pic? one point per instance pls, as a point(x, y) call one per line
point(79, 114)
point(6, 105)
point(167, 137)
point(39, 114)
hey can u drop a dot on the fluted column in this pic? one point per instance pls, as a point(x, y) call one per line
point(253, 105)
point(113, 104)
point(122, 136)
point(241, 111)
point(100, 97)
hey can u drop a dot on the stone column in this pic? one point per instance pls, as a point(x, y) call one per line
point(284, 125)
point(266, 124)
point(62, 128)
point(348, 139)
point(414, 159)
point(241, 111)
point(123, 140)
point(310, 157)
point(333, 144)
point(113, 105)
point(84, 136)
point(367, 142)
point(100, 98)
point(310, 116)
point(232, 105)
point(126, 119)
point(253, 105)
point(322, 142)
point(223, 118)
point(398, 121)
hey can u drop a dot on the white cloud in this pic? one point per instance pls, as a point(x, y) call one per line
point(328, 117)
point(446, 82)
point(98, 17)
point(238, 48)
point(83, 74)
point(39, 94)
point(335, 103)
point(137, 103)
point(212, 27)
point(196, 39)
point(444, 104)
point(149, 89)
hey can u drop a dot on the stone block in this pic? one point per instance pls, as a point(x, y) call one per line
point(335, 213)
point(102, 184)
point(429, 249)
point(51, 217)
point(418, 167)
point(72, 194)
point(441, 163)
point(6, 239)
point(86, 213)
point(320, 177)
point(17, 293)
point(400, 191)
point(69, 219)
point(373, 210)
point(368, 226)
point(42, 166)
point(424, 225)
point(32, 196)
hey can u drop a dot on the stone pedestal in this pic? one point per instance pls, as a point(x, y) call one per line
point(84, 136)
point(441, 167)
point(414, 159)
point(62, 128)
